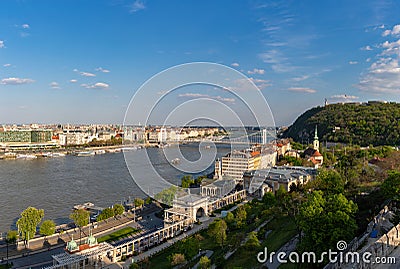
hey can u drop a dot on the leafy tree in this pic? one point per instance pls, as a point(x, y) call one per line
point(269, 199)
point(391, 186)
point(229, 219)
point(187, 181)
point(252, 241)
point(189, 247)
point(134, 265)
point(240, 216)
point(217, 230)
point(118, 209)
point(148, 201)
point(11, 239)
point(325, 220)
point(81, 219)
point(139, 202)
point(166, 196)
point(28, 222)
point(204, 262)
point(106, 214)
point(177, 258)
point(47, 228)
point(329, 181)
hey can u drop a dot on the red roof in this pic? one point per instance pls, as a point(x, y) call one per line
point(316, 154)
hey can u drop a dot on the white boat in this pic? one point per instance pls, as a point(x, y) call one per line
point(85, 153)
point(26, 156)
point(176, 161)
point(53, 154)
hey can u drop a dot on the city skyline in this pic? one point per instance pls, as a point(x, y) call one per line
point(82, 63)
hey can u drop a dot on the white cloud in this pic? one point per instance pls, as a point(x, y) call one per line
point(200, 95)
point(383, 75)
point(54, 85)
point(301, 89)
point(16, 81)
point(6, 65)
point(98, 85)
point(344, 96)
point(366, 48)
point(235, 64)
point(87, 74)
point(100, 69)
point(2, 44)
point(279, 63)
point(256, 71)
point(301, 78)
point(25, 26)
point(353, 62)
point(394, 32)
point(246, 84)
point(75, 70)
point(73, 81)
point(136, 6)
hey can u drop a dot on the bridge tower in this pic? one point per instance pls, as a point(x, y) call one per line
point(264, 136)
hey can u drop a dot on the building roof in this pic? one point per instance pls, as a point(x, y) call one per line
point(316, 154)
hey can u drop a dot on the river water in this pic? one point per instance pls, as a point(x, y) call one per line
point(57, 184)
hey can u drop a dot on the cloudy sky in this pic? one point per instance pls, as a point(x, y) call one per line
point(82, 61)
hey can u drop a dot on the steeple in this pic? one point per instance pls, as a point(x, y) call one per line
point(316, 141)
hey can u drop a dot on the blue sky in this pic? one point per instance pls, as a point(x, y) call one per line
point(82, 61)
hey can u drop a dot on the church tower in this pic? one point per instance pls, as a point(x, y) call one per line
point(316, 141)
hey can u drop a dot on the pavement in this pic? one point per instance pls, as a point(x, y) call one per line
point(39, 253)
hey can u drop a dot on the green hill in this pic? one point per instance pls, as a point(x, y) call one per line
point(372, 123)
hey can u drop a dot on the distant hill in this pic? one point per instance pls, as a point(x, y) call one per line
point(372, 123)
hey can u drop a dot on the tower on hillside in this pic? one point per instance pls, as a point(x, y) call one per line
point(316, 141)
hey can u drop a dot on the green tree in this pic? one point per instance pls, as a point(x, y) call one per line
point(240, 216)
point(148, 200)
point(177, 258)
point(325, 220)
point(329, 181)
point(189, 247)
point(166, 196)
point(217, 230)
point(229, 219)
point(252, 241)
point(11, 239)
point(134, 265)
point(204, 262)
point(139, 202)
point(28, 222)
point(187, 181)
point(118, 209)
point(106, 214)
point(391, 186)
point(81, 219)
point(47, 228)
point(269, 199)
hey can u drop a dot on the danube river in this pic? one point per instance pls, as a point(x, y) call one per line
point(57, 184)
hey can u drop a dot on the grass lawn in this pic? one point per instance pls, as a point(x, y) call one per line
point(125, 232)
point(283, 229)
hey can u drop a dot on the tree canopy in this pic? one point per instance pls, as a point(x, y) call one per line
point(325, 220)
point(47, 228)
point(217, 229)
point(391, 186)
point(80, 217)
point(371, 123)
point(28, 222)
point(118, 209)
